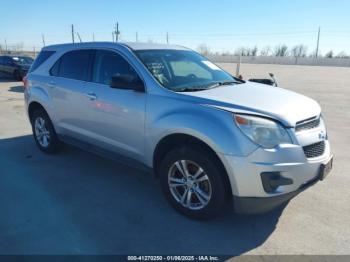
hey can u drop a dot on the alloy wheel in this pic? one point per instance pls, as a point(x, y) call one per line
point(189, 184)
point(41, 132)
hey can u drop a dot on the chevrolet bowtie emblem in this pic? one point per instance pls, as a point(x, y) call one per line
point(322, 135)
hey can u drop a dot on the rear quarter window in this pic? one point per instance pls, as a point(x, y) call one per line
point(42, 57)
point(55, 69)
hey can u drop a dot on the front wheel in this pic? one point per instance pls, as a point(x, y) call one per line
point(193, 183)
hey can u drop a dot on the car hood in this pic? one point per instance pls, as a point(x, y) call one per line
point(286, 106)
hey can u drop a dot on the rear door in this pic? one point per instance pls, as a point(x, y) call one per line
point(67, 86)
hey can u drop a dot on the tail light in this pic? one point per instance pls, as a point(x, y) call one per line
point(25, 82)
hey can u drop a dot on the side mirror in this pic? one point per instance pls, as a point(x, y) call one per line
point(273, 78)
point(128, 82)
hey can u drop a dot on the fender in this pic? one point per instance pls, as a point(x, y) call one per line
point(39, 95)
point(205, 123)
point(202, 122)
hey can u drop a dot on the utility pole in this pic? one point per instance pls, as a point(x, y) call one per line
point(43, 38)
point(79, 37)
point(137, 37)
point(5, 45)
point(116, 32)
point(73, 34)
point(238, 68)
point(318, 41)
point(167, 38)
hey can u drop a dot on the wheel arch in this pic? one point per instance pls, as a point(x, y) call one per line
point(33, 106)
point(178, 140)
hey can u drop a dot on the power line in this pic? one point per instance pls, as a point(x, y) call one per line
point(329, 37)
point(238, 34)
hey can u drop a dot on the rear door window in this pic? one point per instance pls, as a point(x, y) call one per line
point(7, 60)
point(74, 65)
point(42, 57)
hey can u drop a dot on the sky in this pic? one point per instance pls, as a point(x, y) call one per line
point(223, 25)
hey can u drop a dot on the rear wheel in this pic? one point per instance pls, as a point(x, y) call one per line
point(192, 183)
point(44, 133)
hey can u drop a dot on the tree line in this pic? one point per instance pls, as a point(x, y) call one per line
point(281, 50)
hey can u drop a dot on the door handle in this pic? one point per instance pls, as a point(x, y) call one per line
point(91, 96)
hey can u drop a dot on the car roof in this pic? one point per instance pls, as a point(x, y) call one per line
point(153, 46)
point(131, 45)
point(11, 56)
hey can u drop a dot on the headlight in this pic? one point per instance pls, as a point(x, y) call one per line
point(265, 132)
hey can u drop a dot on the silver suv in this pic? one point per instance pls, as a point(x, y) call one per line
point(208, 136)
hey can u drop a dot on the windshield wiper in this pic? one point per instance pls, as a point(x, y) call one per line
point(206, 86)
point(224, 83)
point(190, 89)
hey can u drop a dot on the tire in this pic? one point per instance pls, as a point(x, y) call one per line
point(215, 188)
point(42, 128)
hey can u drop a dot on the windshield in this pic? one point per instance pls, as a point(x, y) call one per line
point(182, 70)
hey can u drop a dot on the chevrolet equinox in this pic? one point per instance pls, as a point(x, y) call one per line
point(207, 135)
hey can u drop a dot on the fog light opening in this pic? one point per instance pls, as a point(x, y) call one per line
point(272, 180)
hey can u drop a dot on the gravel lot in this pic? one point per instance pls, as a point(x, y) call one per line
point(79, 203)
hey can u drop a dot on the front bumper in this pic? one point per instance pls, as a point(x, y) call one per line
point(288, 160)
point(258, 205)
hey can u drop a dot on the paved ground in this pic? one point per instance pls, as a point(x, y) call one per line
point(79, 203)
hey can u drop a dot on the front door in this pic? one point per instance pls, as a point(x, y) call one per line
point(119, 115)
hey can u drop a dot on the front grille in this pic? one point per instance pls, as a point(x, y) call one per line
point(307, 124)
point(314, 150)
